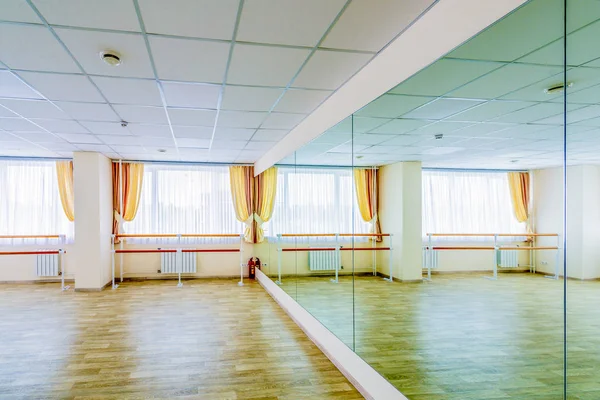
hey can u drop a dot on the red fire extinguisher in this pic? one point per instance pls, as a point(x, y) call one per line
point(253, 264)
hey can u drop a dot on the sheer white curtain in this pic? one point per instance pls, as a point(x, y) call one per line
point(185, 199)
point(468, 202)
point(315, 200)
point(30, 202)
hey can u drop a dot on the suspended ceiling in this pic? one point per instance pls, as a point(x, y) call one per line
point(201, 80)
point(487, 99)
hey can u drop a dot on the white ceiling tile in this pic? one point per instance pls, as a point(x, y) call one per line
point(6, 113)
point(143, 92)
point(282, 121)
point(402, 140)
point(88, 111)
point(191, 95)
point(370, 24)
point(240, 119)
point(189, 117)
point(194, 18)
point(330, 69)
point(17, 10)
point(480, 129)
point(259, 145)
point(63, 87)
point(60, 146)
point(128, 140)
point(395, 150)
point(18, 125)
point(234, 133)
point(369, 139)
point(105, 128)
point(136, 151)
point(441, 108)
point(105, 14)
point(504, 80)
point(228, 144)
point(142, 114)
point(34, 48)
point(193, 132)
point(150, 141)
point(392, 106)
point(86, 46)
point(444, 127)
point(443, 76)
point(79, 138)
point(398, 126)
point(60, 126)
point(532, 113)
point(11, 86)
point(98, 148)
point(192, 142)
point(301, 101)
point(148, 130)
point(269, 134)
point(249, 156)
point(40, 137)
point(366, 124)
point(265, 65)
point(489, 110)
point(186, 60)
point(243, 98)
point(300, 23)
point(34, 109)
point(333, 138)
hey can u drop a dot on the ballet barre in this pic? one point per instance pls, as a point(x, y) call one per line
point(58, 252)
point(337, 248)
point(430, 248)
point(179, 249)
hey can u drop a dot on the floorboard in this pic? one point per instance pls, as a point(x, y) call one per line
point(208, 340)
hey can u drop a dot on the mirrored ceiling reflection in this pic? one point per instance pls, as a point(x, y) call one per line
point(494, 102)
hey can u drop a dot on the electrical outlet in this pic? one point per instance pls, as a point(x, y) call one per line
point(342, 267)
point(544, 262)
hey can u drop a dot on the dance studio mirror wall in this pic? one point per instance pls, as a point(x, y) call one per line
point(463, 166)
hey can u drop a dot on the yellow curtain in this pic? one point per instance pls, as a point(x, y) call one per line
point(519, 193)
point(64, 174)
point(132, 175)
point(265, 189)
point(241, 180)
point(367, 192)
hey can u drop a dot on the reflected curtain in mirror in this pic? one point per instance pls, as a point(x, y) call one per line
point(130, 190)
point(64, 176)
point(242, 194)
point(265, 190)
point(519, 193)
point(365, 182)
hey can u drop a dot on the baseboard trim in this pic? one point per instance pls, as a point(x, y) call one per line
point(365, 379)
point(381, 274)
point(36, 281)
point(479, 271)
point(83, 290)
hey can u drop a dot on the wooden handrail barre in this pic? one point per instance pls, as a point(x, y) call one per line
point(174, 235)
point(334, 234)
point(30, 236)
point(492, 234)
point(141, 251)
point(463, 247)
point(16, 253)
point(530, 248)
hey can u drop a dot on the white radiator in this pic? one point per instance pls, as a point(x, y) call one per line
point(173, 263)
point(508, 259)
point(323, 260)
point(47, 264)
point(430, 257)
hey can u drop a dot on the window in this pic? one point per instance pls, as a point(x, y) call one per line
point(30, 203)
point(315, 200)
point(185, 199)
point(468, 202)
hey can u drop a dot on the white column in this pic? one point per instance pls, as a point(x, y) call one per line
point(92, 176)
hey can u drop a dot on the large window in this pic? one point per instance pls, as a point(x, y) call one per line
point(185, 199)
point(468, 202)
point(315, 200)
point(30, 203)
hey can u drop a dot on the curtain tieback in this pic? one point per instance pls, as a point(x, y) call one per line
point(258, 219)
point(249, 220)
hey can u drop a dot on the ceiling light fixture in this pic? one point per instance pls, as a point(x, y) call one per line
point(514, 161)
point(559, 88)
point(162, 150)
point(111, 57)
point(439, 136)
point(359, 157)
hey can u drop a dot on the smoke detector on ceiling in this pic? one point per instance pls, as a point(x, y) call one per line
point(558, 88)
point(162, 150)
point(111, 57)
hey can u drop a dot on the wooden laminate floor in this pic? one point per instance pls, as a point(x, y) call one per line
point(208, 340)
point(466, 337)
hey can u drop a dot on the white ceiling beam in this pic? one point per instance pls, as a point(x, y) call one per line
point(447, 25)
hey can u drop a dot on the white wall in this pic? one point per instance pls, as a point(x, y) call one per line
point(22, 267)
point(400, 215)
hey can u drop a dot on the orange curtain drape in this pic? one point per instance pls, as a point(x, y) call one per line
point(253, 199)
point(367, 196)
point(132, 175)
point(64, 175)
point(519, 193)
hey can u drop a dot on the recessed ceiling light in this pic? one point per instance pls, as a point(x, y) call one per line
point(111, 57)
point(559, 88)
point(162, 150)
point(438, 151)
